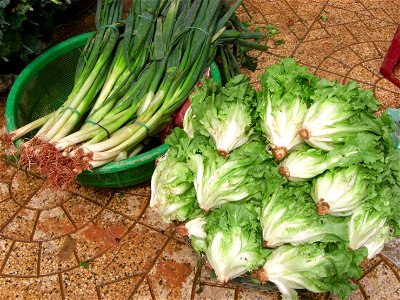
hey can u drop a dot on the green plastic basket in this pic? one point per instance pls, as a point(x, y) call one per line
point(45, 84)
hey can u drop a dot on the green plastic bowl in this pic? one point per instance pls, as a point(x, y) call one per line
point(45, 84)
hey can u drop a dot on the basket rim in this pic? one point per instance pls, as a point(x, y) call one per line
point(31, 70)
point(41, 62)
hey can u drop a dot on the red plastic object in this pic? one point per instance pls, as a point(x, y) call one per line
point(177, 117)
point(391, 59)
point(180, 113)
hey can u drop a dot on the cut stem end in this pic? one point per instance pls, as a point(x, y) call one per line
point(267, 244)
point(223, 153)
point(280, 152)
point(284, 171)
point(304, 133)
point(182, 230)
point(261, 275)
point(323, 208)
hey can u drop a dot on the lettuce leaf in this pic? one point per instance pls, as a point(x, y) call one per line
point(288, 216)
point(239, 177)
point(340, 191)
point(233, 243)
point(282, 104)
point(317, 267)
point(338, 111)
point(223, 113)
point(172, 189)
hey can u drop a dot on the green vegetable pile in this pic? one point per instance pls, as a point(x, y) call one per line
point(132, 76)
point(295, 184)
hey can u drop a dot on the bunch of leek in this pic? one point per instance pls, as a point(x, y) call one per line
point(129, 84)
point(92, 69)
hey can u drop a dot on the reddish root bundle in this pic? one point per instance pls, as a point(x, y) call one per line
point(6, 138)
point(60, 170)
point(29, 153)
point(81, 161)
point(7, 142)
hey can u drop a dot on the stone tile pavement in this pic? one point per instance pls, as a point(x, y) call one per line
point(87, 243)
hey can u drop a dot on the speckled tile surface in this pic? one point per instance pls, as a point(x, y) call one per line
point(108, 244)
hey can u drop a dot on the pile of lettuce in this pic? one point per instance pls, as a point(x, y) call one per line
point(295, 184)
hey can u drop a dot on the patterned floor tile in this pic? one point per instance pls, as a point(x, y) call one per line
point(143, 291)
point(22, 226)
point(80, 210)
point(79, 283)
point(384, 84)
point(368, 264)
point(23, 260)
point(362, 74)
point(100, 196)
point(108, 244)
point(347, 56)
point(43, 288)
point(337, 14)
point(47, 198)
point(330, 76)
point(381, 283)
point(129, 205)
point(8, 210)
point(387, 98)
point(4, 191)
point(142, 189)
point(53, 223)
point(119, 290)
point(5, 247)
point(214, 292)
point(24, 186)
point(153, 219)
point(57, 255)
point(173, 274)
point(307, 10)
point(7, 171)
point(256, 295)
point(391, 251)
point(88, 245)
point(132, 255)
